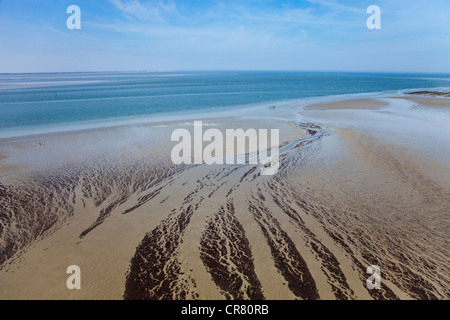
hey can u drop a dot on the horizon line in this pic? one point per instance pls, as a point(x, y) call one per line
point(228, 70)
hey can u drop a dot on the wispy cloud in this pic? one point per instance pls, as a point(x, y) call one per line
point(336, 6)
point(145, 10)
point(224, 20)
point(225, 34)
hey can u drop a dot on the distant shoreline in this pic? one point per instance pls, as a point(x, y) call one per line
point(430, 93)
point(45, 104)
point(370, 101)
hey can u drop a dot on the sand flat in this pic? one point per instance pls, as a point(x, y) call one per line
point(142, 228)
point(429, 101)
point(357, 104)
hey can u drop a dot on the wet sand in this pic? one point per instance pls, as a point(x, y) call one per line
point(428, 101)
point(431, 93)
point(139, 227)
point(371, 104)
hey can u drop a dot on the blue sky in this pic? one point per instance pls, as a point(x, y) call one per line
point(175, 35)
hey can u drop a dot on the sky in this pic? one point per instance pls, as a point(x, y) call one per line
point(181, 35)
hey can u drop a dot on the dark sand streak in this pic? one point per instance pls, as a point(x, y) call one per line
point(227, 255)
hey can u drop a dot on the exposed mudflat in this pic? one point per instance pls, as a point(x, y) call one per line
point(430, 93)
point(141, 227)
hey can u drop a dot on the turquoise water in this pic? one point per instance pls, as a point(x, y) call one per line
point(33, 101)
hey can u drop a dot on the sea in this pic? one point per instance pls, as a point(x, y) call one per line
point(51, 102)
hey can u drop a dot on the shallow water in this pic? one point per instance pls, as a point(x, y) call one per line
point(42, 103)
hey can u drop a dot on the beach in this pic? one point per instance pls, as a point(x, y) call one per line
point(372, 190)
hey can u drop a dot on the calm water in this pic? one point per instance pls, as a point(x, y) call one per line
point(33, 101)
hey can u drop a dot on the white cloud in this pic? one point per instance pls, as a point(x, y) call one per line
point(148, 10)
point(337, 6)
